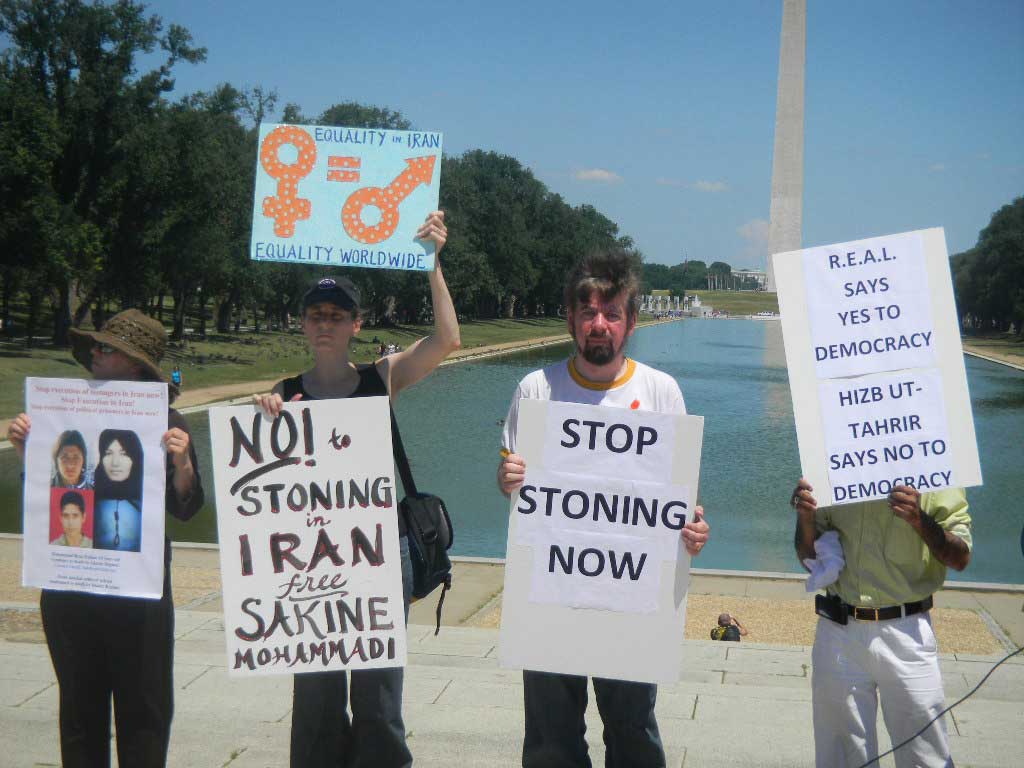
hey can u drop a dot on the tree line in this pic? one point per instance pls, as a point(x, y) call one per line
point(114, 195)
point(989, 278)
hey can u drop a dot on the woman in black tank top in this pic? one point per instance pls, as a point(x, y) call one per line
point(323, 735)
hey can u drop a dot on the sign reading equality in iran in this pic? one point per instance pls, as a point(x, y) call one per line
point(595, 558)
point(345, 196)
point(876, 367)
point(94, 486)
point(308, 531)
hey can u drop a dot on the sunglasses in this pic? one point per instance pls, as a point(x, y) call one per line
point(103, 349)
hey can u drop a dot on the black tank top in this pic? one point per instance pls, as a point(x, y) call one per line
point(370, 385)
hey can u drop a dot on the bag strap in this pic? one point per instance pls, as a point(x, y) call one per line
point(401, 460)
point(446, 585)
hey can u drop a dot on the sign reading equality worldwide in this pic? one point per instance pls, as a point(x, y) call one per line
point(876, 367)
point(345, 196)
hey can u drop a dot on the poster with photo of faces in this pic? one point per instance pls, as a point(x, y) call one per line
point(94, 486)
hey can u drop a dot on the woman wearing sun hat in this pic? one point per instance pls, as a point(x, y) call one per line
point(103, 646)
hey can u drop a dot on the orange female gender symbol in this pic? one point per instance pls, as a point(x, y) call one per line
point(287, 207)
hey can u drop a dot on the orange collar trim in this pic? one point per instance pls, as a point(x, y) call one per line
point(601, 385)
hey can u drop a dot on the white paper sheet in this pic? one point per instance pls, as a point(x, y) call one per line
point(869, 307)
point(116, 546)
point(308, 531)
point(597, 570)
point(594, 440)
point(886, 430)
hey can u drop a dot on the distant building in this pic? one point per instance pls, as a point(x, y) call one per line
point(745, 277)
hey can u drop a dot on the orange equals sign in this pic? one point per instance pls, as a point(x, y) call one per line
point(337, 161)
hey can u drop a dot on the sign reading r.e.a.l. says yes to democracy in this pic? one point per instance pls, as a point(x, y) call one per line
point(876, 367)
point(345, 196)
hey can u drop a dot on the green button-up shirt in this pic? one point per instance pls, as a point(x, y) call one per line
point(887, 562)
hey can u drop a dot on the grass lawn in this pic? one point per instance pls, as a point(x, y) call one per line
point(1006, 345)
point(231, 358)
point(739, 302)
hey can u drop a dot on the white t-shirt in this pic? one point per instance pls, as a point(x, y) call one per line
point(640, 387)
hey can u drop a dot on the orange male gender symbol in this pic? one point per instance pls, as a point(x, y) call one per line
point(287, 207)
point(420, 170)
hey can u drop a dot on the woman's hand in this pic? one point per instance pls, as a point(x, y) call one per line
point(177, 442)
point(270, 403)
point(434, 229)
point(17, 433)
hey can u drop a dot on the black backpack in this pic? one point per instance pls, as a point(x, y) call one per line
point(429, 530)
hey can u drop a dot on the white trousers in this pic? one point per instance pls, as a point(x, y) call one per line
point(855, 666)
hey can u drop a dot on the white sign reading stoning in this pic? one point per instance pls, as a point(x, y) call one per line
point(876, 368)
point(595, 554)
point(308, 532)
point(94, 486)
point(601, 539)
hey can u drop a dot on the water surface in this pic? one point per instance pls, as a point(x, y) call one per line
point(733, 373)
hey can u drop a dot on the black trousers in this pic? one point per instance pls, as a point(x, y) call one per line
point(118, 648)
point(323, 735)
point(555, 728)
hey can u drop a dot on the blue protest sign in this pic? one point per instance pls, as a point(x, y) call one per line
point(345, 196)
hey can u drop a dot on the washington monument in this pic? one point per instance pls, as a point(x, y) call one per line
point(788, 161)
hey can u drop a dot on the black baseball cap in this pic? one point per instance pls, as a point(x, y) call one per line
point(339, 291)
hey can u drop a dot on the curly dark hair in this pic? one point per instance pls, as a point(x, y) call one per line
point(607, 272)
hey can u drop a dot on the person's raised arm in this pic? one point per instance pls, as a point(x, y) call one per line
point(405, 368)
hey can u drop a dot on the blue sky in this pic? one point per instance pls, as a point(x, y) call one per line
point(662, 114)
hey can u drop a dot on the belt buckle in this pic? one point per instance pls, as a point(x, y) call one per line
point(865, 614)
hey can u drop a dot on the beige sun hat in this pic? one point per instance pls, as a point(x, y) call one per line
point(136, 335)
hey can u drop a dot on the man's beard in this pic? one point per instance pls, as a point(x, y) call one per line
point(599, 354)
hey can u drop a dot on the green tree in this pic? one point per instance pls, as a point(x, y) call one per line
point(989, 278)
point(79, 62)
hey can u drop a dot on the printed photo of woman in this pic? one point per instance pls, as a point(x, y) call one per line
point(118, 483)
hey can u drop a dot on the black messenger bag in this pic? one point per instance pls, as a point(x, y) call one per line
point(428, 528)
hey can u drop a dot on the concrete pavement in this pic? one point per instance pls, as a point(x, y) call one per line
point(742, 704)
point(745, 704)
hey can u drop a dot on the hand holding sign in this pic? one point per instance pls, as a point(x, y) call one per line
point(511, 473)
point(17, 433)
point(696, 532)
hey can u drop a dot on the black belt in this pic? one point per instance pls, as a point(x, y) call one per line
point(885, 614)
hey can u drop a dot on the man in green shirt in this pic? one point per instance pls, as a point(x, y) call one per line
point(875, 640)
